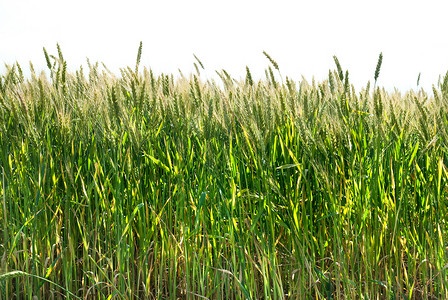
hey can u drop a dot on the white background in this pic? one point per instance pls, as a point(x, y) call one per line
point(302, 36)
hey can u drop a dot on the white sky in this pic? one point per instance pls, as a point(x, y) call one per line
point(302, 36)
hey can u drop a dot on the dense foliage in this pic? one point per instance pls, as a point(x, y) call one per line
point(143, 186)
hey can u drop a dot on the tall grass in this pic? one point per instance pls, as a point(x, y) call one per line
point(143, 186)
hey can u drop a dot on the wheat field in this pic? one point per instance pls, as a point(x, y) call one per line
point(144, 186)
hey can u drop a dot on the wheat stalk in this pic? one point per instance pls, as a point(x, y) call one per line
point(14, 274)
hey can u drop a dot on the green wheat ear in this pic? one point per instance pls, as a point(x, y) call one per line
point(61, 58)
point(249, 77)
point(20, 75)
point(445, 83)
point(139, 56)
point(378, 67)
point(47, 58)
point(338, 66)
point(271, 75)
point(346, 83)
point(200, 63)
point(331, 81)
point(273, 62)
